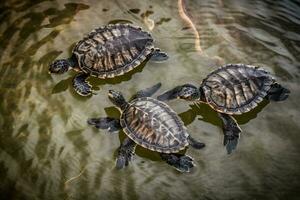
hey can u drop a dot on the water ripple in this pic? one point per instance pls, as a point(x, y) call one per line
point(47, 151)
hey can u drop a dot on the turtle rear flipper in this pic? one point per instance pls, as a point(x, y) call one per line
point(81, 86)
point(182, 163)
point(125, 153)
point(278, 93)
point(230, 142)
point(231, 132)
point(194, 143)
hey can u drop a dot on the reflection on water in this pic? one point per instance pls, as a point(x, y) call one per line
point(47, 151)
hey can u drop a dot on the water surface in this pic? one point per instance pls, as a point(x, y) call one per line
point(47, 151)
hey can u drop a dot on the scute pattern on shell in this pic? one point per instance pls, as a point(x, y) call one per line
point(154, 125)
point(236, 88)
point(113, 50)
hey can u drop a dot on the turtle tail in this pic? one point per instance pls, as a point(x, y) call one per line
point(278, 93)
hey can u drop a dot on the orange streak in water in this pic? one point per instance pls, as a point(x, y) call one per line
point(185, 17)
point(73, 178)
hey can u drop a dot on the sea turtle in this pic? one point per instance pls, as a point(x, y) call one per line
point(107, 52)
point(232, 89)
point(151, 124)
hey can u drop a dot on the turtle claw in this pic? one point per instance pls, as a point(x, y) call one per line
point(121, 162)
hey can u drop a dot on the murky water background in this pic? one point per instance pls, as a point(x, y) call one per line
point(47, 151)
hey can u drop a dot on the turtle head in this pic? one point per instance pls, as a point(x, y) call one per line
point(187, 92)
point(117, 98)
point(59, 66)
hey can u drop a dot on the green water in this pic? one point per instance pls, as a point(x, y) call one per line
point(47, 150)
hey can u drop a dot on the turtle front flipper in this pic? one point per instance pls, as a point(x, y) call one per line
point(157, 55)
point(187, 91)
point(278, 93)
point(125, 153)
point(81, 86)
point(182, 163)
point(111, 124)
point(148, 92)
point(194, 143)
point(231, 132)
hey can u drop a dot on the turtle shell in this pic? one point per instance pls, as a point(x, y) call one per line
point(154, 125)
point(236, 88)
point(113, 50)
